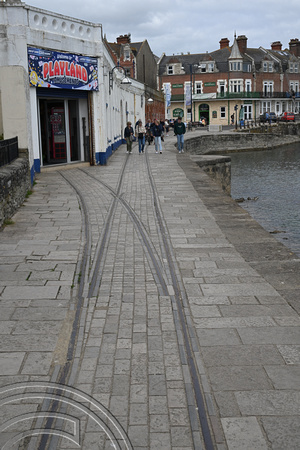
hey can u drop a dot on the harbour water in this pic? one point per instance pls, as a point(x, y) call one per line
point(269, 181)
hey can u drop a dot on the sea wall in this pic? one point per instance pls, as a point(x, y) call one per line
point(206, 150)
point(237, 141)
point(217, 167)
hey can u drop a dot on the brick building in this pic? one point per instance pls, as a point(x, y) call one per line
point(254, 80)
point(140, 63)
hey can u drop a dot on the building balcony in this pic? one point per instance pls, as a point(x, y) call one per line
point(256, 95)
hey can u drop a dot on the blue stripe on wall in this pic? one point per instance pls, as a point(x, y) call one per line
point(32, 174)
point(37, 165)
point(102, 157)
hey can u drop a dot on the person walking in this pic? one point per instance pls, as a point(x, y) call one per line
point(128, 135)
point(179, 130)
point(167, 127)
point(141, 132)
point(157, 130)
point(162, 123)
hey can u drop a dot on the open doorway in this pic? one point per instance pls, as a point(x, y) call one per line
point(60, 131)
point(204, 112)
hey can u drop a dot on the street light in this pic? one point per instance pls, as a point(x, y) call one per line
point(150, 111)
point(191, 75)
point(124, 80)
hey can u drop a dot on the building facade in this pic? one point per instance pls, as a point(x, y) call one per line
point(59, 92)
point(233, 80)
point(140, 63)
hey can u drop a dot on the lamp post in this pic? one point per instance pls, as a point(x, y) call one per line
point(150, 102)
point(124, 80)
point(191, 81)
point(163, 90)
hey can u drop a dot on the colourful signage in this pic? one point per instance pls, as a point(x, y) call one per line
point(51, 69)
point(210, 83)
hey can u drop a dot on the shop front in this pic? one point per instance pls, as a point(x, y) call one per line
point(63, 84)
point(61, 131)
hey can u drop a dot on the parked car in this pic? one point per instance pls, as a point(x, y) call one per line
point(272, 116)
point(287, 117)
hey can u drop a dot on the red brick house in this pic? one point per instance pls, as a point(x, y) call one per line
point(254, 80)
point(140, 64)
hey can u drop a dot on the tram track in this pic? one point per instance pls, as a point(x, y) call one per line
point(63, 374)
point(165, 271)
point(184, 327)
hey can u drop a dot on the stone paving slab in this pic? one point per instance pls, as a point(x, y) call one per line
point(240, 299)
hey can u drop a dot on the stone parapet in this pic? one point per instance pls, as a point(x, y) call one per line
point(14, 185)
point(237, 142)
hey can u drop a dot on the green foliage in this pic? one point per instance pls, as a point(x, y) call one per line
point(8, 222)
point(28, 193)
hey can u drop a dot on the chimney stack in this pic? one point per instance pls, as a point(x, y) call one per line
point(276, 46)
point(295, 46)
point(224, 42)
point(242, 43)
point(126, 39)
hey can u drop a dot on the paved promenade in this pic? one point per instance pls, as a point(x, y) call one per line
point(142, 308)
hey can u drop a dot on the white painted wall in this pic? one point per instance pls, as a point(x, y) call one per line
point(23, 26)
point(14, 99)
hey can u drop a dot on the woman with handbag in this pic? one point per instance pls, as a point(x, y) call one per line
point(141, 132)
point(128, 135)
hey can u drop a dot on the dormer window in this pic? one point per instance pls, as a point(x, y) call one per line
point(246, 67)
point(293, 67)
point(126, 54)
point(170, 70)
point(235, 66)
point(267, 66)
point(206, 67)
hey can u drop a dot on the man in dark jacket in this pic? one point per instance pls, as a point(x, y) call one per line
point(179, 130)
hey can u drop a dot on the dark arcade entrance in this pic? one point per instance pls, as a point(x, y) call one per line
point(204, 112)
point(59, 131)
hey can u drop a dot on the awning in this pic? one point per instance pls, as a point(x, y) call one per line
point(204, 96)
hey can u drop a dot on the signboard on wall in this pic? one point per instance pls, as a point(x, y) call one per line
point(50, 69)
point(178, 112)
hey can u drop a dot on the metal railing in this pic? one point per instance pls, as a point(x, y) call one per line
point(255, 95)
point(9, 150)
point(238, 95)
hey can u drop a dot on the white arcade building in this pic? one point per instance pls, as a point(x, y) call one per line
point(59, 90)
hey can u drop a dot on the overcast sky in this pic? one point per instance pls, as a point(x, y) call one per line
point(181, 26)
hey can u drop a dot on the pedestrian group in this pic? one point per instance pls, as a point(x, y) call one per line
point(154, 132)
